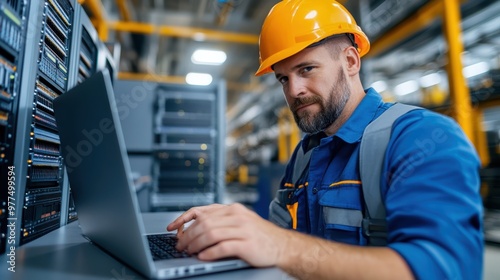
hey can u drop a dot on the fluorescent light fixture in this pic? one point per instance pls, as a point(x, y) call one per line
point(250, 113)
point(406, 88)
point(379, 86)
point(199, 36)
point(208, 57)
point(476, 69)
point(230, 141)
point(430, 80)
point(198, 79)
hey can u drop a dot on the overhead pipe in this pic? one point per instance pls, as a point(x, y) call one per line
point(419, 20)
point(168, 79)
point(183, 32)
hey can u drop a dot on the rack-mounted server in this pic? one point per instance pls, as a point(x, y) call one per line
point(58, 48)
point(12, 33)
point(188, 147)
point(44, 173)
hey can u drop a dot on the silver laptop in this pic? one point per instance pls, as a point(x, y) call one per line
point(98, 170)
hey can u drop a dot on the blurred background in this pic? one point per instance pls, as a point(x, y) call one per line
point(198, 125)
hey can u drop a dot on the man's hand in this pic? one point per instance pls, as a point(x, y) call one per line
point(221, 231)
point(191, 214)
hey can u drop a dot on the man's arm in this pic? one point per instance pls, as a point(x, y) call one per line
point(315, 258)
point(234, 231)
point(434, 209)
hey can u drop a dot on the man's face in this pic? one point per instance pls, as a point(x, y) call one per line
point(315, 88)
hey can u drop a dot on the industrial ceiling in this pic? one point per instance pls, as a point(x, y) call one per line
point(169, 31)
point(166, 33)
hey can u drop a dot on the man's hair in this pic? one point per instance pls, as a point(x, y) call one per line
point(336, 43)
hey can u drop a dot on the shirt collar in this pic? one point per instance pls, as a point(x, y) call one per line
point(365, 112)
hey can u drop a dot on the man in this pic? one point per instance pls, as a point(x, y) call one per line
point(430, 182)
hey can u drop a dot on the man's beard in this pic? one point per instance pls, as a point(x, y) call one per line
point(330, 109)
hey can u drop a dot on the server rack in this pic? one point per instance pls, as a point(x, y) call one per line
point(40, 176)
point(57, 45)
point(188, 150)
point(12, 35)
point(83, 64)
point(87, 44)
point(106, 60)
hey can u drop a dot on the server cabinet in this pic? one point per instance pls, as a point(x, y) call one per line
point(38, 159)
point(57, 47)
point(189, 133)
point(106, 60)
point(86, 45)
point(12, 36)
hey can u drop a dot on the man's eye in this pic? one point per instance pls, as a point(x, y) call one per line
point(306, 69)
point(283, 80)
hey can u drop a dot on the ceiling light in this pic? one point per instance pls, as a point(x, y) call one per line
point(406, 88)
point(199, 36)
point(430, 80)
point(198, 79)
point(251, 113)
point(209, 57)
point(230, 141)
point(475, 69)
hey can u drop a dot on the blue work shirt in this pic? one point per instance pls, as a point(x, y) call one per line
point(430, 186)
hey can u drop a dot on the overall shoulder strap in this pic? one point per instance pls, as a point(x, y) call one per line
point(301, 163)
point(372, 153)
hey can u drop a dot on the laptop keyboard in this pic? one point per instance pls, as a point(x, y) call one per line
point(163, 247)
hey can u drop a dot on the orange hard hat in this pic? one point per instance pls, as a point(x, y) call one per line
point(293, 25)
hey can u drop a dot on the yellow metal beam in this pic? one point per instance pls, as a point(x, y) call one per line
point(184, 32)
point(283, 149)
point(449, 10)
point(243, 174)
point(480, 137)
point(459, 92)
point(124, 12)
point(167, 79)
point(422, 18)
point(294, 136)
point(99, 14)
point(133, 27)
point(152, 78)
point(288, 134)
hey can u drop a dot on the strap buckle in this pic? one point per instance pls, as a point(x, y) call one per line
point(374, 228)
point(286, 196)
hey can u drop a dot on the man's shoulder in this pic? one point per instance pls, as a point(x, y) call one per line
point(422, 118)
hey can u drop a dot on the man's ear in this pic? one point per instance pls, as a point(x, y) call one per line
point(353, 61)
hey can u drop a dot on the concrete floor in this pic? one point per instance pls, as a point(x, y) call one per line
point(492, 252)
point(491, 263)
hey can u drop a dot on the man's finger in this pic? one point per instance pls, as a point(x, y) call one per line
point(187, 216)
point(180, 231)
